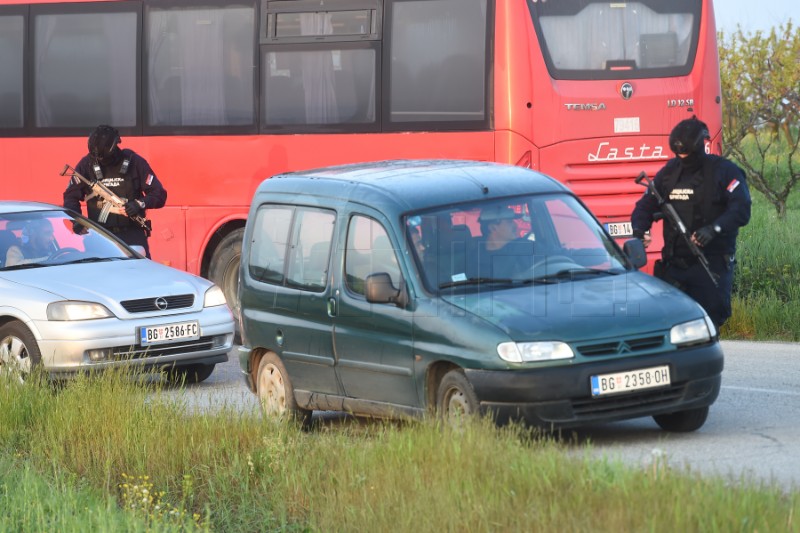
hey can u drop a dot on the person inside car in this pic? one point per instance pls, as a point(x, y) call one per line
point(501, 253)
point(37, 244)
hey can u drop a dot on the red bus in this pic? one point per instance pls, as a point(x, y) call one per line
point(219, 94)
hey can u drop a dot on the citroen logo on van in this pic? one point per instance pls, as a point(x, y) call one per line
point(161, 303)
point(626, 91)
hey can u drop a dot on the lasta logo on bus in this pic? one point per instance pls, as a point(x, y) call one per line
point(645, 152)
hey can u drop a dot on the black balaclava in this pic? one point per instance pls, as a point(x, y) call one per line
point(103, 145)
point(688, 137)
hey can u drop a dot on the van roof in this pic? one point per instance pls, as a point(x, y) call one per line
point(411, 184)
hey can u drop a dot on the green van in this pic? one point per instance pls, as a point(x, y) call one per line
point(400, 288)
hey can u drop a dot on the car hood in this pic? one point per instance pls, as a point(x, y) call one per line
point(621, 305)
point(109, 282)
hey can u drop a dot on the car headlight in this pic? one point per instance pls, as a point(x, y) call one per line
point(68, 310)
point(214, 296)
point(692, 332)
point(524, 352)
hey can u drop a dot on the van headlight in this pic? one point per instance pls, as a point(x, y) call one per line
point(214, 297)
point(525, 352)
point(67, 310)
point(696, 331)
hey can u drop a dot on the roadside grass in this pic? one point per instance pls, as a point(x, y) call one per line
point(68, 452)
point(766, 295)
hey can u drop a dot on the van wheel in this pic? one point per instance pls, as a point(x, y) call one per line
point(224, 271)
point(455, 398)
point(275, 391)
point(683, 421)
point(19, 352)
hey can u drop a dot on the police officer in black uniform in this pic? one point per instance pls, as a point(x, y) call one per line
point(127, 175)
point(711, 197)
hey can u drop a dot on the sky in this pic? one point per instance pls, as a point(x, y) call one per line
point(753, 15)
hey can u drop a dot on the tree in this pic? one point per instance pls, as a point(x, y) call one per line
point(760, 76)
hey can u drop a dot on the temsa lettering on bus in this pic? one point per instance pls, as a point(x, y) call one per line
point(645, 151)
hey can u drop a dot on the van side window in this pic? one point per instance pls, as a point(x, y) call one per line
point(291, 246)
point(269, 241)
point(369, 251)
point(310, 250)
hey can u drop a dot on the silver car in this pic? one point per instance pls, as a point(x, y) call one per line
point(73, 298)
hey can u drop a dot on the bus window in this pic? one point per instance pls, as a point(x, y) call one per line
point(200, 65)
point(629, 39)
point(84, 70)
point(12, 35)
point(319, 86)
point(437, 71)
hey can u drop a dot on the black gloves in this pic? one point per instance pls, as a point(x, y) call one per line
point(132, 208)
point(705, 235)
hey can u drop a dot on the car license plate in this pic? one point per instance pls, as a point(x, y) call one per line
point(643, 378)
point(619, 229)
point(169, 332)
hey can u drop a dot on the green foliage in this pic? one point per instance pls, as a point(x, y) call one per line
point(760, 75)
point(231, 471)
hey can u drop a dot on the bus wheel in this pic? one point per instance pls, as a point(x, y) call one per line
point(224, 271)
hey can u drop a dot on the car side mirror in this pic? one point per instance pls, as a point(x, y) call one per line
point(634, 249)
point(381, 290)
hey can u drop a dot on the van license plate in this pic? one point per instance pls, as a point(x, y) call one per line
point(644, 378)
point(619, 229)
point(170, 332)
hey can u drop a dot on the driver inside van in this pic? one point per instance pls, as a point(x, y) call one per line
point(37, 244)
point(502, 254)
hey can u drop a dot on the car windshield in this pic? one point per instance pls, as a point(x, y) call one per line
point(526, 239)
point(39, 239)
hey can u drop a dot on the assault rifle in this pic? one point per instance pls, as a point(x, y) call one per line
point(112, 202)
point(668, 211)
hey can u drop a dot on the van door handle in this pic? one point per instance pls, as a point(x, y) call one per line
point(331, 307)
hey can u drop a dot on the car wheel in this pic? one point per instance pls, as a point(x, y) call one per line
point(275, 391)
point(683, 421)
point(224, 271)
point(196, 373)
point(455, 398)
point(19, 352)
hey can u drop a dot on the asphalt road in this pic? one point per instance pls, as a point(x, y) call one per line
point(752, 433)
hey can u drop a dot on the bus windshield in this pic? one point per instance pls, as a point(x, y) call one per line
point(612, 40)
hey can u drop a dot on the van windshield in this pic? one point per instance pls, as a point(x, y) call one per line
point(529, 239)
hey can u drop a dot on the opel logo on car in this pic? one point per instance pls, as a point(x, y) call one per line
point(161, 303)
point(626, 90)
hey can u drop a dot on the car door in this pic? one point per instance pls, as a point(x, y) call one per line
point(289, 267)
point(373, 342)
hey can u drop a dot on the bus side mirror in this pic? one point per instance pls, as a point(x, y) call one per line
point(381, 290)
point(634, 249)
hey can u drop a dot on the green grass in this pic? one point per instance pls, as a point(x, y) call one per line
point(766, 296)
point(69, 454)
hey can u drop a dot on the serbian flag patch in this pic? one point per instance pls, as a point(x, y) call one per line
point(732, 185)
point(150, 177)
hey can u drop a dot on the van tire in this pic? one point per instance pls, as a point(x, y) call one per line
point(223, 270)
point(275, 391)
point(455, 398)
point(683, 421)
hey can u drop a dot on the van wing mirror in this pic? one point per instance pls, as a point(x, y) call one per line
point(381, 290)
point(634, 249)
